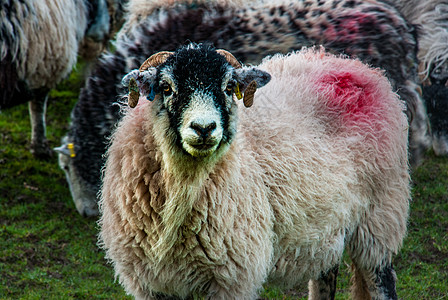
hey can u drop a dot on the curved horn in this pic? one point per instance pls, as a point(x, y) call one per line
point(230, 58)
point(155, 60)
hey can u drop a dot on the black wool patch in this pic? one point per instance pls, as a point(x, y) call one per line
point(386, 282)
point(436, 98)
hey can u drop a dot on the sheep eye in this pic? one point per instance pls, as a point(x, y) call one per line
point(166, 88)
point(229, 88)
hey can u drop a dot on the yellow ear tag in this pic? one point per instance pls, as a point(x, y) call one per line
point(71, 148)
point(238, 92)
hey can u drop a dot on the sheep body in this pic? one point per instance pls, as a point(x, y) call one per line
point(318, 164)
point(39, 43)
point(251, 31)
point(46, 56)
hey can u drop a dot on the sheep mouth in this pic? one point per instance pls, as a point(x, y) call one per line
point(203, 146)
point(201, 149)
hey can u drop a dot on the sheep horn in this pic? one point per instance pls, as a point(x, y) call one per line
point(249, 93)
point(230, 58)
point(155, 60)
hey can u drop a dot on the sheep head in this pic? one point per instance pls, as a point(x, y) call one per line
point(195, 86)
point(159, 58)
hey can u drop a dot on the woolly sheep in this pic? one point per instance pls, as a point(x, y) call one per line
point(250, 31)
point(203, 197)
point(39, 43)
point(431, 16)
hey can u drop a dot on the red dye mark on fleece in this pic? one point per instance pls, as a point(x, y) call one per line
point(350, 27)
point(347, 95)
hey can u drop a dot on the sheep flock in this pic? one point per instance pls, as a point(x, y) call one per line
point(371, 31)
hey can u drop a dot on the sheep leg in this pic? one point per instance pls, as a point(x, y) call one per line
point(325, 286)
point(376, 285)
point(37, 109)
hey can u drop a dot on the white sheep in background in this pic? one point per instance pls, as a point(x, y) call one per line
point(39, 43)
point(202, 197)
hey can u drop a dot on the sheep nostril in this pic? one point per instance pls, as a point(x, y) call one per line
point(203, 129)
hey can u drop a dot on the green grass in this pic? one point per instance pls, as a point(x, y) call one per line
point(48, 251)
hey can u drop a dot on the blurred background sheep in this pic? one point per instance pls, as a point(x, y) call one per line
point(39, 44)
point(431, 17)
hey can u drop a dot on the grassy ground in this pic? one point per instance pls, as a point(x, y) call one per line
point(48, 251)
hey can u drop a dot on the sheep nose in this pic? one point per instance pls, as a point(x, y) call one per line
point(203, 129)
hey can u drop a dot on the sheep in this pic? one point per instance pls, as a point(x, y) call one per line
point(203, 197)
point(251, 31)
point(39, 42)
point(431, 16)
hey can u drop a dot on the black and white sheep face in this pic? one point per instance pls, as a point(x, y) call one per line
point(199, 110)
point(201, 126)
point(194, 89)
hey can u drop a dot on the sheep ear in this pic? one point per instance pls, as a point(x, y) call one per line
point(245, 76)
point(62, 150)
point(140, 84)
point(249, 79)
point(67, 149)
point(134, 93)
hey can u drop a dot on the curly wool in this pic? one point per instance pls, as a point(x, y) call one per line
point(319, 164)
point(44, 56)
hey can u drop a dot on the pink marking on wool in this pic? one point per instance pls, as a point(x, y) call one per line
point(348, 96)
point(349, 27)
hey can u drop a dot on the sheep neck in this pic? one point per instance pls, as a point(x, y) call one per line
point(185, 179)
